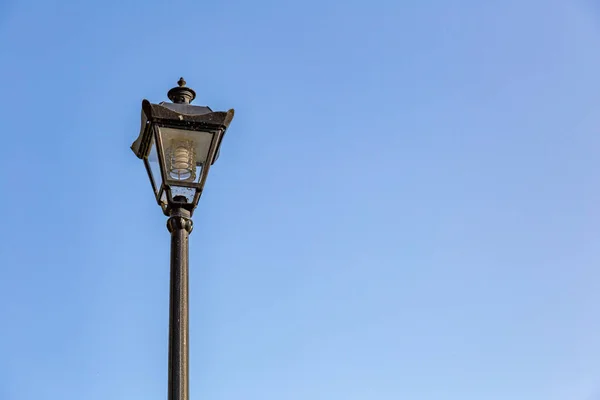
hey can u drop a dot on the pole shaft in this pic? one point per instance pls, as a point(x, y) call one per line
point(180, 226)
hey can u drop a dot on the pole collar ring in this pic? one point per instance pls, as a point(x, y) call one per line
point(178, 222)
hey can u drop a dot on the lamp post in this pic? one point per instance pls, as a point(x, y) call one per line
point(178, 143)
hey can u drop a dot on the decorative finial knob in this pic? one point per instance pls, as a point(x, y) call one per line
point(181, 93)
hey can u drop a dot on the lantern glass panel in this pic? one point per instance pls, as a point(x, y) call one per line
point(186, 192)
point(185, 153)
point(153, 166)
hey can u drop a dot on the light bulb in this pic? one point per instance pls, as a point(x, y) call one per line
point(181, 159)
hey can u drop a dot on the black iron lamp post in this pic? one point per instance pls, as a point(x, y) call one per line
point(178, 143)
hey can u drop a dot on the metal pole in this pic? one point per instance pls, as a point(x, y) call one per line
point(180, 226)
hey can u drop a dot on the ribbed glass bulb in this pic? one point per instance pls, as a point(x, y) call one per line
point(181, 159)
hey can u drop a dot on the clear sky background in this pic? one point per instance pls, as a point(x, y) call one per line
point(405, 206)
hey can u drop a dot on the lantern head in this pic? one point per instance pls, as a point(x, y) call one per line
point(178, 143)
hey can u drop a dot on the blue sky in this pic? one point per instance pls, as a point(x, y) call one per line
point(405, 206)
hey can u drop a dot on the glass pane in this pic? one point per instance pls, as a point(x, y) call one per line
point(185, 152)
point(198, 172)
point(186, 192)
point(154, 166)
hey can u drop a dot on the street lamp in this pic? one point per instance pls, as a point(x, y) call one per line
point(178, 143)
